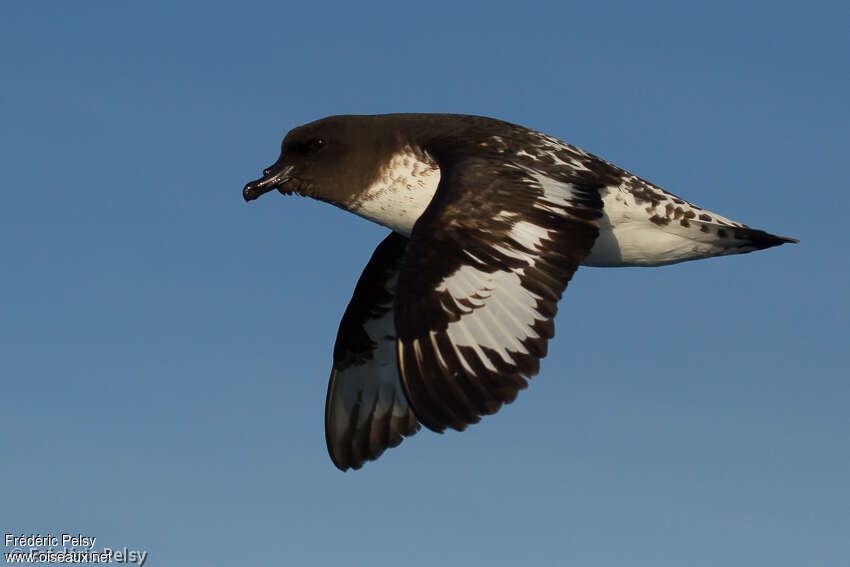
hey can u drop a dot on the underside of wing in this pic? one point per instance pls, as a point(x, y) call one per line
point(366, 410)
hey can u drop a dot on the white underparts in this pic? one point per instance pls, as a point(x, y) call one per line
point(637, 229)
point(402, 192)
point(634, 231)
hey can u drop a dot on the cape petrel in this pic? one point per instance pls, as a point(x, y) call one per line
point(489, 221)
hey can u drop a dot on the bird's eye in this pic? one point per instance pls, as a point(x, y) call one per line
point(316, 144)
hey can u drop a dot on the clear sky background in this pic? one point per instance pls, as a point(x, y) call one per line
point(165, 347)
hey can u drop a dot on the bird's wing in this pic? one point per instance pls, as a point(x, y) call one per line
point(366, 411)
point(484, 269)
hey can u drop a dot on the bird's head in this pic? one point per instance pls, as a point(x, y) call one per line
point(326, 159)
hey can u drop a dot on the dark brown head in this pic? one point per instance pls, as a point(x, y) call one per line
point(327, 159)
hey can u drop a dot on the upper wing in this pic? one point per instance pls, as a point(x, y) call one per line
point(366, 411)
point(484, 269)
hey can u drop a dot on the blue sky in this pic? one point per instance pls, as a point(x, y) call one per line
point(165, 346)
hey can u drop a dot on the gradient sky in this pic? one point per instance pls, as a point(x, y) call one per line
point(165, 347)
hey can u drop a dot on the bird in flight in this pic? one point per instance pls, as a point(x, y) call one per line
point(490, 220)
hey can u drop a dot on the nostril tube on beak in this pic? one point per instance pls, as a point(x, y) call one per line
point(273, 178)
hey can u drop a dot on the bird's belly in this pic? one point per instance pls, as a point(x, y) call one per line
point(642, 225)
point(650, 227)
point(637, 244)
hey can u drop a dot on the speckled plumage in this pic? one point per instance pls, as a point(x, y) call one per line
point(490, 221)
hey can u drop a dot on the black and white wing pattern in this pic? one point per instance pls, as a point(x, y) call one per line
point(483, 272)
point(366, 411)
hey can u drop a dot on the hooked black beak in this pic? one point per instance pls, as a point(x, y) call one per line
point(274, 177)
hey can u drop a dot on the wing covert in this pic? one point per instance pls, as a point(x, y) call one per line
point(484, 269)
